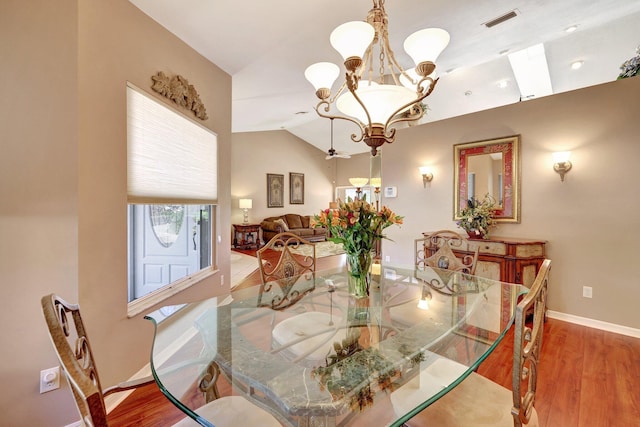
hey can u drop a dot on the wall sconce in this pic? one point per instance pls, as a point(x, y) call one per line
point(426, 296)
point(358, 183)
point(561, 164)
point(427, 175)
point(245, 205)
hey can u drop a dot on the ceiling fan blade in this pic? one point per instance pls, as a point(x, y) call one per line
point(337, 155)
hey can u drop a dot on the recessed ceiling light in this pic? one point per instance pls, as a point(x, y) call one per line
point(502, 84)
point(468, 93)
point(576, 65)
point(571, 29)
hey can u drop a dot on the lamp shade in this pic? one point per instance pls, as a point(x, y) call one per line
point(425, 170)
point(352, 38)
point(358, 182)
point(322, 74)
point(561, 156)
point(426, 45)
point(245, 203)
point(376, 182)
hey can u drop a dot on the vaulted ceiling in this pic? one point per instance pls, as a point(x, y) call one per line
point(266, 46)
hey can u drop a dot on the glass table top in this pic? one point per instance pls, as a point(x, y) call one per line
point(329, 359)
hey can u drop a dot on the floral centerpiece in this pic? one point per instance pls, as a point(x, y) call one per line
point(477, 217)
point(630, 67)
point(358, 226)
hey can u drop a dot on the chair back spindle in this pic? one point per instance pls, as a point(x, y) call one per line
point(69, 338)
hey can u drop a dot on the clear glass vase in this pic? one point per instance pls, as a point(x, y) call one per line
point(359, 267)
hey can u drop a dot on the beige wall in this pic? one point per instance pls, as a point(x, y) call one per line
point(65, 65)
point(255, 154)
point(590, 221)
point(38, 197)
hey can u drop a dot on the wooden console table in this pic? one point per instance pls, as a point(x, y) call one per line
point(508, 259)
point(246, 236)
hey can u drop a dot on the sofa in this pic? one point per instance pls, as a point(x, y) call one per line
point(294, 223)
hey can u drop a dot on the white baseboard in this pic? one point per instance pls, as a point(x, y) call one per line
point(597, 324)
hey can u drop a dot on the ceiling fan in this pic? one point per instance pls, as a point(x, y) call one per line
point(332, 153)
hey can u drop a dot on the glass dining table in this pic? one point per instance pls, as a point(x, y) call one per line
point(325, 358)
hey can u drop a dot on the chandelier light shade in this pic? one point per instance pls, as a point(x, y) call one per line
point(425, 46)
point(322, 74)
point(377, 102)
point(381, 101)
point(352, 39)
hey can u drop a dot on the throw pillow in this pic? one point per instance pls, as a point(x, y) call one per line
point(293, 220)
point(282, 224)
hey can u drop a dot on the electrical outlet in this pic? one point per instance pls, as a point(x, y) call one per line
point(387, 258)
point(222, 280)
point(587, 292)
point(49, 379)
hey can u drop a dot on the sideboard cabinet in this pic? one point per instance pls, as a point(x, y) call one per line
point(508, 259)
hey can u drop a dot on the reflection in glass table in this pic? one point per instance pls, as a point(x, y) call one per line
point(344, 361)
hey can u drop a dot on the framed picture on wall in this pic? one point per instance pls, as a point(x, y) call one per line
point(275, 190)
point(296, 188)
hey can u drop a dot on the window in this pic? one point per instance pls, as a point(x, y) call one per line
point(172, 192)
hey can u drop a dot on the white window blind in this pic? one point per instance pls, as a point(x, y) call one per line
point(169, 157)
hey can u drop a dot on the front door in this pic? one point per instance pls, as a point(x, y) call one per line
point(165, 242)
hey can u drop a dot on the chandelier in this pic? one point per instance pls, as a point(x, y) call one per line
point(376, 98)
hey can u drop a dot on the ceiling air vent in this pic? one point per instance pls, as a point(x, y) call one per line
point(501, 19)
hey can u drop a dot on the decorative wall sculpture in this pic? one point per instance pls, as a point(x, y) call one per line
point(178, 89)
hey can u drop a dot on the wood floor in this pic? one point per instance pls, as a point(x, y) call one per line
point(587, 378)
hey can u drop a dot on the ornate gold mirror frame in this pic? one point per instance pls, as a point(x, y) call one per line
point(488, 167)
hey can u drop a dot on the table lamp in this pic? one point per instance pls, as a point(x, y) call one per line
point(245, 205)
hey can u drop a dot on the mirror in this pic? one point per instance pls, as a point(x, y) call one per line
point(489, 167)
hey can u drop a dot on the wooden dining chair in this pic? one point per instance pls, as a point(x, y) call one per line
point(279, 279)
point(70, 340)
point(478, 401)
point(442, 242)
point(305, 337)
